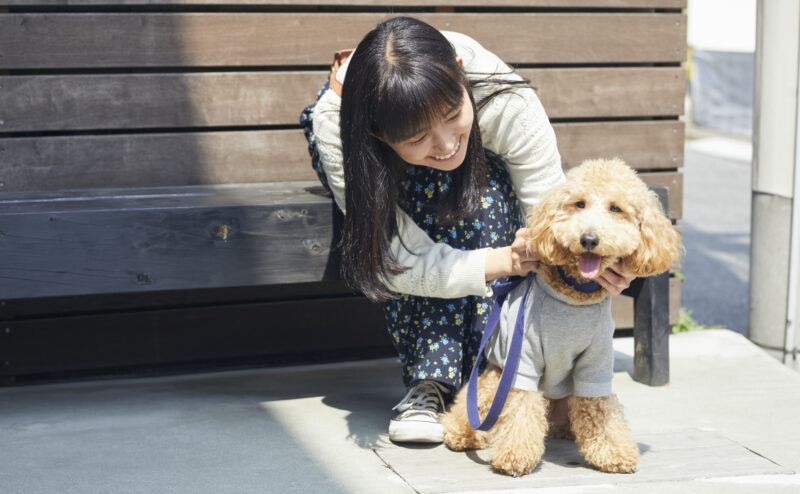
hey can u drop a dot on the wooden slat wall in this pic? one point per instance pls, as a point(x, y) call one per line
point(641, 78)
point(137, 101)
point(70, 162)
point(95, 101)
point(36, 41)
point(607, 4)
point(97, 94)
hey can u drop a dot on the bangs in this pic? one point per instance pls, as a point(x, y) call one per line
point(409, 103)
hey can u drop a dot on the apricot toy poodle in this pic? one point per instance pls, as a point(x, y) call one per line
point(601, 214)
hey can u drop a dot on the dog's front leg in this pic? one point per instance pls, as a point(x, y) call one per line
point(458, 434)
point(517, 439)
point(602, 434)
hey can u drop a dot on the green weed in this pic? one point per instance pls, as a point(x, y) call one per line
point(686, 323)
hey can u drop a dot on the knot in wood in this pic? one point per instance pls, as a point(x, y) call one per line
point(222, 232)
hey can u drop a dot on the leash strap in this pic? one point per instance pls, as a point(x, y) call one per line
point(502, 290)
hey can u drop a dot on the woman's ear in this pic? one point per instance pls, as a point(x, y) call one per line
point(541, 219)
point(460, 62)
point(660, 242)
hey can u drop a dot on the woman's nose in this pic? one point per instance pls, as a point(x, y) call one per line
point(444, 140)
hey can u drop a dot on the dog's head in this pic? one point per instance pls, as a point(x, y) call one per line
point(603, 212)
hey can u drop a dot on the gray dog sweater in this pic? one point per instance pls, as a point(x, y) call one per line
point(567, 349)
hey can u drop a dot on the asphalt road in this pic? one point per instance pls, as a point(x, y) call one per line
point(716, 232)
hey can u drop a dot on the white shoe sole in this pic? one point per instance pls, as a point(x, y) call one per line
point(410, 431)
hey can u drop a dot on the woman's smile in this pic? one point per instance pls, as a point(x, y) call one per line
point(452, 153)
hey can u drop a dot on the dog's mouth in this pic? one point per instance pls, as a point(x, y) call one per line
point(589, 265)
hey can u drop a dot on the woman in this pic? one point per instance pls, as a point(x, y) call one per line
point(433, 150)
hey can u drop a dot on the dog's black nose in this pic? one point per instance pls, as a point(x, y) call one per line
point(589, 241)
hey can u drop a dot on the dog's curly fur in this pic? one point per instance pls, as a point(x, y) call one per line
point(607, 198)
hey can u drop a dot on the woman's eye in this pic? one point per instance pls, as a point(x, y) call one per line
point(417, 141)
point(458, 114)
point(615, 209)
point(580, 204)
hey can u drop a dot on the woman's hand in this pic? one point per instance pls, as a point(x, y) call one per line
point(514, 260)
point(615, 278)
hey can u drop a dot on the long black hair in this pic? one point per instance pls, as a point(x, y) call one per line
point(403, 77)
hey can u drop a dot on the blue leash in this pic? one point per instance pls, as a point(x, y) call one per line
point(502, 290)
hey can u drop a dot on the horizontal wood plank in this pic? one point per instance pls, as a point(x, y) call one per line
point(174, 159)
point(178, 239)
point(643, 145)
point(141, 101)
point(156, 240)
point(255, 332)
point(610, 92)
point(34, 41)
point(609, 4)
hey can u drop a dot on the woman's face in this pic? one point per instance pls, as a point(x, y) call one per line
point(444, 145)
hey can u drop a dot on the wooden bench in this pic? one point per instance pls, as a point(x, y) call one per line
point(157, 203)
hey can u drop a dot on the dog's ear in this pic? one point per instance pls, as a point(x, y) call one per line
point(661, 243)
point(541, 219)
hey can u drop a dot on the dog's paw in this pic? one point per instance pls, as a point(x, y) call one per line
point(613, 458)
point(513, 463)
point(457, 442)
point(463, 442)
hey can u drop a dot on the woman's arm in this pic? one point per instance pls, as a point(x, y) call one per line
point(513, 124)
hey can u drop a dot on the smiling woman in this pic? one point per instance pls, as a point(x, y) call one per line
point(434, 149)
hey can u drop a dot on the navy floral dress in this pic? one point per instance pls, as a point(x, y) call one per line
point(439, 338)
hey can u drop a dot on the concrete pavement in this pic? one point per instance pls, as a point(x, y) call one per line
point(727, 423)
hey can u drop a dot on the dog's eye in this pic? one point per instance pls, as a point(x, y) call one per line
point(580, 204)
point(615, 209)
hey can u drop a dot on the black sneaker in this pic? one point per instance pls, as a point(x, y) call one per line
point(416, 417)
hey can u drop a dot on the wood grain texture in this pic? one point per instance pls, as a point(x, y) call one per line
point(29, 41)
point(117, 241)
point(156, 240)
point(643, 145)
point(140, 101)
point(610, 4)
point(257, 331)
point(205, 158)
point(264, 156)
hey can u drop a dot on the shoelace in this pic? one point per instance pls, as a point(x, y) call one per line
point(426, 395)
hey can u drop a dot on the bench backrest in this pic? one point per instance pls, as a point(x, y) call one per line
point(132, 93)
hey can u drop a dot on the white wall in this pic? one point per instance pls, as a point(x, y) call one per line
point(722, 25)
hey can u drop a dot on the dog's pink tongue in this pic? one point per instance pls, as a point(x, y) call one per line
point(589, 265)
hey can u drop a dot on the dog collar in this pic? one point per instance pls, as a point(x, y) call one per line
point(586, 287)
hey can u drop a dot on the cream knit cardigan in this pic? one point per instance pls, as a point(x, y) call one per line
point(513, 125)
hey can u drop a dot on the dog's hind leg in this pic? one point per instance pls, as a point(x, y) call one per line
point(518, 437)
point(458, 434)
point(602, 434)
